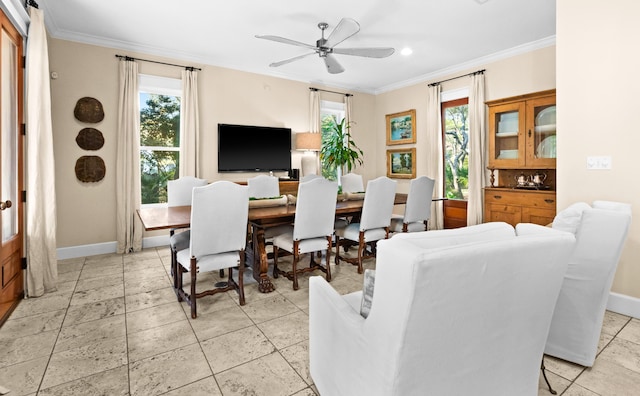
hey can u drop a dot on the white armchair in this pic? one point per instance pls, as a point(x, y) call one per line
point(600, 231)
point(470, 317)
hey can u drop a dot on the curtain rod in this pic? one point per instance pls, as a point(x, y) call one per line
point(324, 90)
point(453, 78)
point(129, 58)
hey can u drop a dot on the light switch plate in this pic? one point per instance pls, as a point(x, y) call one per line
point(599, 162)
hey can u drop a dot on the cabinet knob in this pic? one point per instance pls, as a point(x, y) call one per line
point(529, 132)
point(497, 196)
point(549, 201)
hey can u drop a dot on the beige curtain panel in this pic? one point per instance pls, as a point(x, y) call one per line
point(42, 272)
point(189, 125)
point(128, 224)
point(433, 151)
point(477, 149)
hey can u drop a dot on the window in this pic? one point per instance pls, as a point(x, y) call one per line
point(330, 113)
point(159, 135)
point(455, 129)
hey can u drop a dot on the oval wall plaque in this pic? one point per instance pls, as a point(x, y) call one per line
point(90, 139)
point(90, 169)
point(89, 110)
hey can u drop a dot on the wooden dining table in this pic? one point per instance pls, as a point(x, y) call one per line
point(164, 217)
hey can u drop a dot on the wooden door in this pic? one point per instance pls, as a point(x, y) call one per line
point(11, 184)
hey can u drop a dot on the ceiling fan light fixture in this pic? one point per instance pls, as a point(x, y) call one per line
point(324, 47)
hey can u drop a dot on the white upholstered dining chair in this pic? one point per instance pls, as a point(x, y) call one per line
point(219, 214)
point(417, 209)
point(312, 230)
point(374, 221)
point(263, 186)
point(179, 193)
point(310, 177)
point(352, 183)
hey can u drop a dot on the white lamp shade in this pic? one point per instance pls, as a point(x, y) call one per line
point(308, 141)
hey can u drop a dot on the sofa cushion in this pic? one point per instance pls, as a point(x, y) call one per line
point(569, 219)
point(457, 236)
point(367, 292)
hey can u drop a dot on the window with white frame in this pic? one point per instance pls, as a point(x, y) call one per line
point(330, 113)
point(160, 100)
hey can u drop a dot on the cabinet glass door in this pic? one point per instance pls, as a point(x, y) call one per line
point(542, 133)
point(506, 126)
point(545, 131)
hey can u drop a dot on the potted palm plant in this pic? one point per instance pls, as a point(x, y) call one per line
point(338, 148)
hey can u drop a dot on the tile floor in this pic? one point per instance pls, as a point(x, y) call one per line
point(114, 327)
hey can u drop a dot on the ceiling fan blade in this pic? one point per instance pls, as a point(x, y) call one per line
point(375, 52)
point(286, 41)
point(295, 58)
point(345, 29)
point(333, 67)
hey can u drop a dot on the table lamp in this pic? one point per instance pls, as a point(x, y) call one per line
point(309, 142)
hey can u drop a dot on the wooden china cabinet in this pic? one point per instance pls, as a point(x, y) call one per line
point(522, 159)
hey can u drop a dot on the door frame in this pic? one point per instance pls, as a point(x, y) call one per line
point(12, 252)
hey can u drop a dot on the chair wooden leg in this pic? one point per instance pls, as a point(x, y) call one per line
point(361, 247)
point(192, 297)
point(328, 259)
point(337, 260)
point(296, 257)
point(275, 261)
point(178, 282)
point(174, 269)
point(240, 277)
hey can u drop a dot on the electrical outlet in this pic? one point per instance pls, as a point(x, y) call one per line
point(601, 162)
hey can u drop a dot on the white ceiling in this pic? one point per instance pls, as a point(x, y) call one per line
point(446, 35)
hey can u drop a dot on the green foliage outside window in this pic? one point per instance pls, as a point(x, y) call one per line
point(159, 128)
point(456, 156)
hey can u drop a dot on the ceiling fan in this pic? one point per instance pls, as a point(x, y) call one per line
point(325, 48)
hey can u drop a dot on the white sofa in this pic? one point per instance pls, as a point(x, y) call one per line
point(600, 231)
point(454, 312)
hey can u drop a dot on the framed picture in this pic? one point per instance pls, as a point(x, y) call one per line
point(401, 163)
point(401, 127)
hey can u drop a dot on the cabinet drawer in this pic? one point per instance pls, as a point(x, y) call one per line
point(533, 199)
point(511, 214)
point(537, 215)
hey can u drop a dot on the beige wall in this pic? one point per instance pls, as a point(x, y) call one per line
point(86, 211)
point(598, 102)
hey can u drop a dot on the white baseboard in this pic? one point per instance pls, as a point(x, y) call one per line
point(106, 247)
point(623, 304)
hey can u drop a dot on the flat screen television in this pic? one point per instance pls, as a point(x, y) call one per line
point(244, 148)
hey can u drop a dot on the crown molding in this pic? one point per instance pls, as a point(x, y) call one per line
point(475, 63)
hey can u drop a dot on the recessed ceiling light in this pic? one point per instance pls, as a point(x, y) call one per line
point(481, 1)
point(406, 51)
